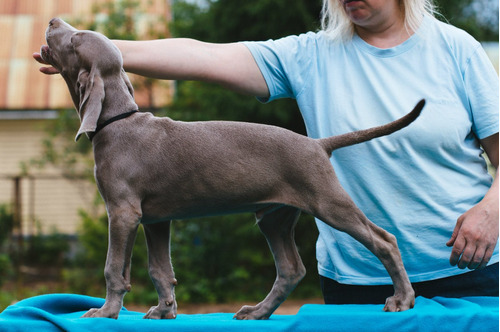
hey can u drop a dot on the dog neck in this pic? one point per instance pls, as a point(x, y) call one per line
point(110, 121)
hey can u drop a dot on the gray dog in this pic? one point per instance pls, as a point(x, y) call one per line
point(151, 170)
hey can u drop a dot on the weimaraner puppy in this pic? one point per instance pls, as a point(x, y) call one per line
point(151, 170)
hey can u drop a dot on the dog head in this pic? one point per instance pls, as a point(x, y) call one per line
point(85, 59)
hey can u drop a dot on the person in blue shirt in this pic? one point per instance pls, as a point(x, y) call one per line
point(428, 184)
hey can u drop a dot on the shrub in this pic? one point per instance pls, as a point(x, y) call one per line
point(6, 225)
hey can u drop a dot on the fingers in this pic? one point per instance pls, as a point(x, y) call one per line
point(467, 258)
point(46, 70)
point(454, 235)
point(49, 70)
point(487, 257)
point(457, 250)
point(470, 250)
point(38, 57)
point(470, 256)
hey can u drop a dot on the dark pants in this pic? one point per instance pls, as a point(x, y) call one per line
point(475, 283)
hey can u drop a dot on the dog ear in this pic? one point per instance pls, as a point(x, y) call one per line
point(127, 82)
point(91, 91)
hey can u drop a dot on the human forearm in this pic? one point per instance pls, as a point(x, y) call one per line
point(476, 232)
point(230, 65)
point(164, 59)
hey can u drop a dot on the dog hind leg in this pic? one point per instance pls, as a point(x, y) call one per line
point(278, 228)
point(161, 270)
point(341, 213)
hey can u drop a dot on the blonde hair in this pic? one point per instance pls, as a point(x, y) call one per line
point(337, 25)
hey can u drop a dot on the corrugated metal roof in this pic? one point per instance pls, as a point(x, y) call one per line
point(22, 30)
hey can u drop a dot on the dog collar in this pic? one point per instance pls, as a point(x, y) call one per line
point(110, 121)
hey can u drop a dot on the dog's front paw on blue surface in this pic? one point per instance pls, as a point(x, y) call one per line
point(162, 312)
point(399, 303)
point(100, 313)
point(252, 313)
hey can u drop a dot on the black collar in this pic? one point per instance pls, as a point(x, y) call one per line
point(110, 121)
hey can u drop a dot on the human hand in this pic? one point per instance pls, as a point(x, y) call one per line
point(475, 236)
point(46, 70)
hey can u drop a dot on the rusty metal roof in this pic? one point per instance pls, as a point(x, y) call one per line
point(22, 30)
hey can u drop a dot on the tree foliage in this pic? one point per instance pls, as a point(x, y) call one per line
point(477, 17)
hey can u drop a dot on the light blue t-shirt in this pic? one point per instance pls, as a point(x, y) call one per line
point(416, 182)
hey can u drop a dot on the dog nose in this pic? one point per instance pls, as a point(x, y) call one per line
point(54, 21)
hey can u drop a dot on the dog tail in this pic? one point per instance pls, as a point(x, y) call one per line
point(336, 142)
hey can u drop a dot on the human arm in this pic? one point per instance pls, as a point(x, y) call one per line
point(230, 65)
point(476, 232)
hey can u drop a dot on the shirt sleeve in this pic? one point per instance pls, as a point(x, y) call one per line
point(481, 84)
point(284, 63)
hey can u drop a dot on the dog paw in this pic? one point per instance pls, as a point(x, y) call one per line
point(99, 313)
point(169, 311)
point(399, 303)
point(251, 313)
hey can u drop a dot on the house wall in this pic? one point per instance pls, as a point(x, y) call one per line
point(48, 200)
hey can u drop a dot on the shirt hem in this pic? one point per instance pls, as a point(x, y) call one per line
point(374, 281)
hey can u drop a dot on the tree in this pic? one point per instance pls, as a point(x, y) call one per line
point(478, 17)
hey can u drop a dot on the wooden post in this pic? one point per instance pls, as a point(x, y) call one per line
point(18, 232)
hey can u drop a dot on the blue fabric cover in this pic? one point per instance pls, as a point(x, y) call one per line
point(61, 312)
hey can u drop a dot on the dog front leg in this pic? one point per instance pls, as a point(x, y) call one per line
point(161, 270)
point(122, 233)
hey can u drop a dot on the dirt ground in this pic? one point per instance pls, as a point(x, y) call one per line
point(289, 307)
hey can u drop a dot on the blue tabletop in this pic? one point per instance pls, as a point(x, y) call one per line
point(61, 312)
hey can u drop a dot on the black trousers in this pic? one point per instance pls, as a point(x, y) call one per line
point(475, 283)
